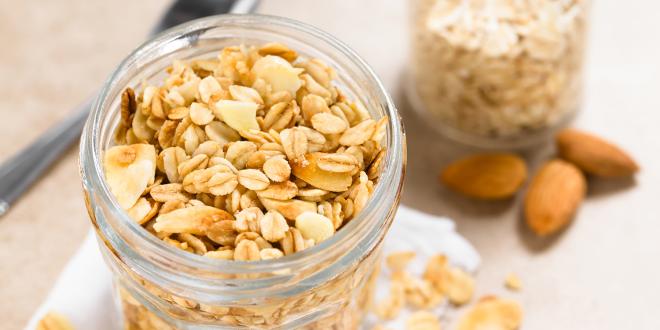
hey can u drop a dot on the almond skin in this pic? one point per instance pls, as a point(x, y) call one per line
point(594, 155)
point(486, 176)
point(554, 196)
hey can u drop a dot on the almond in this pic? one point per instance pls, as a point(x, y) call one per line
point(194, 220)
point(314, 226)
point(310, 172)
point(239, 115)
point(486, 176)
point(554, 195)
point(594, 155)
point(279, 73)
point(129, 169)
point(290, 209)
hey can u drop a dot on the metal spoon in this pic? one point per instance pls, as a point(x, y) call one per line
point(21, 170)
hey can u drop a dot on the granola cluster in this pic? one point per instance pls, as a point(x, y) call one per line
point(250, 156)
point(441, 281)
point(498, 68)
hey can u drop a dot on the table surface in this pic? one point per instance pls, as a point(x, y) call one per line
point(600, 273)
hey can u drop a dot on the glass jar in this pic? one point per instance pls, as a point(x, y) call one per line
point(158, 286)
point(497, 73)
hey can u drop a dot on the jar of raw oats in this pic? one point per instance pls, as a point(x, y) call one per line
point(497, 73)
point(158, 286)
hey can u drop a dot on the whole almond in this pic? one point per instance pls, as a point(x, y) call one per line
point(594, 155)
point(554, 196)
point(486, 176)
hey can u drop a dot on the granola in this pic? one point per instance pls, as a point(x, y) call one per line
point(255, 155)
point(440, 280)
point(257, 143)
point(498, 68)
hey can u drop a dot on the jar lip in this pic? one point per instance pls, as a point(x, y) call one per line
point(390, 179)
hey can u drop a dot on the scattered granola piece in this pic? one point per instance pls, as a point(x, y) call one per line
point(390, 307)
point(513, 282)
point(54, 321)
point(492, 313)
point(436, 272)
point(460, 286)
point(418, 293)
point(398, 261)
point(423, 320)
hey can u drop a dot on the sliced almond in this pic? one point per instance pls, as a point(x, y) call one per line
point(222, 232)
point(279, 73)
point(314, 226)
point(140, 210)
point(595, 155)
point(310, 172)
point(239, 115)
point(486, 176)
point(129, 170)
point(277, 49)
point(290, 209)
point(554, 196)
point(192, 220)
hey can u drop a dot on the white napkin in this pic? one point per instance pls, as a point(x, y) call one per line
point(83, 292)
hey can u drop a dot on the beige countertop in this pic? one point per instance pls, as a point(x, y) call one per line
point(600, 273)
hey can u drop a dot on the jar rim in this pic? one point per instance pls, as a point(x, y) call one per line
point(390, 179)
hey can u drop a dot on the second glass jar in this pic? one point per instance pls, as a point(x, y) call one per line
point(497, 73)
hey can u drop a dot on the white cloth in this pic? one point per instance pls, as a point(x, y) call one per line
point(83, 291)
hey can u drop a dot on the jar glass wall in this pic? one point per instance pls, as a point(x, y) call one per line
point(160, 287)
point(493, 73)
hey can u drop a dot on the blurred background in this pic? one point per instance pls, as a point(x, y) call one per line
point(601, 273)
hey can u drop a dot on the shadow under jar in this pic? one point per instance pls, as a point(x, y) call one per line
point(327, 286)
point(497, 73)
